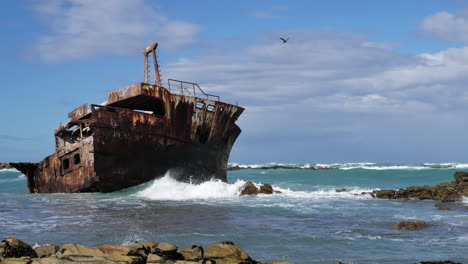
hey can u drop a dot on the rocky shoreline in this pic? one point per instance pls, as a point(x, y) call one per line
point(15, 251)
point(442, 192)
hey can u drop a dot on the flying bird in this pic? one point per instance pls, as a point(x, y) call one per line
point(284, 40)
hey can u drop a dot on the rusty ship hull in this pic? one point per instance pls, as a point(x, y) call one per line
point(140, 133)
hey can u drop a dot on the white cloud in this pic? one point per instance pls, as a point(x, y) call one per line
point(82, 29)
point(447, 26)
point(324, 88)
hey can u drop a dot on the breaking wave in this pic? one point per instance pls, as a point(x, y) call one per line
point(169, 189)
point(359, 165)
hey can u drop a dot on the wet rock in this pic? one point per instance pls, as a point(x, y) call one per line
point(266, 189)
point(341, 190)
point(195, 253)
point(249, 189)
point(446, 192)
point(417, 193)
point(45, 251)
point(14, 248)
point(384, 194)
point(409, 225)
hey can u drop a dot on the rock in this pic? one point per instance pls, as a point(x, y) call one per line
point(226, 253)
point(266, 189)
point(45, 251)
point(49, 260)
point(461, 177)
point(124, 259)
point(417, 193)
point(408, 225)
point(168, 251)
point(150, 246)
point(166, 247)
point(5, 165)
point(77, 251)
point(446, 192)
point(249, 189)
point(384, 194)
point(22, 260)
point(154, 259)
point(139, 249)
point(117, 250)
point(195, 253)
point(14, 248)
point(341, 190)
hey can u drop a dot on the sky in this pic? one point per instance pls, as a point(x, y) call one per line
point(358, 81)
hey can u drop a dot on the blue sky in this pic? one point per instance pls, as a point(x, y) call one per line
point(378, 81)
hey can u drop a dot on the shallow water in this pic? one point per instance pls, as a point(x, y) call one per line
point(307, 223)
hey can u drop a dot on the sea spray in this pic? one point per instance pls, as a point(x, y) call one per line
point(167, 188)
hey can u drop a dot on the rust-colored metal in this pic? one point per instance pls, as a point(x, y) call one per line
point(143, 131)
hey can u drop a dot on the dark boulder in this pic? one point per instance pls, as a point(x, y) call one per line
point(266, 189)
point(249, 189)
point(14, 248)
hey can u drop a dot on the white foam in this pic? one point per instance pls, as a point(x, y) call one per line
point(167, 188)
point(353, 193)
point(395, 167)
point(465, 199)
point(11, 170)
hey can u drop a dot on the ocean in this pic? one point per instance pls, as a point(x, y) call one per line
point(308, 222)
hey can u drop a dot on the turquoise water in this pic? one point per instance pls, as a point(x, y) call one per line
point(307, 223)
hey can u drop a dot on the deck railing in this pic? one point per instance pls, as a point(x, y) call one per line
point(188, 88)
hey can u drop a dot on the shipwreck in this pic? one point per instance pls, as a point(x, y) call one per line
point(141, 132)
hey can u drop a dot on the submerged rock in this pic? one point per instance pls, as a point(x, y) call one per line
point(408, 225)
point(442, 207)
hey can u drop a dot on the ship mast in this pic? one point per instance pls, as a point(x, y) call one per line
point(146, 52)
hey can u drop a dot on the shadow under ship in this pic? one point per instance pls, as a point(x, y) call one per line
point(140, 133)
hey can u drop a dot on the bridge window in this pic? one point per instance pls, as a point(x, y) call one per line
point(76, 159)
point(66, 164)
